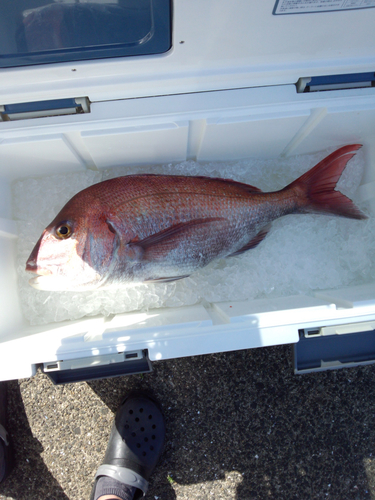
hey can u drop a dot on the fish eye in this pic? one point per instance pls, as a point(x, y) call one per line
point(63, 231)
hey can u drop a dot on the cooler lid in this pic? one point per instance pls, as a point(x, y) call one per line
point(182, 47)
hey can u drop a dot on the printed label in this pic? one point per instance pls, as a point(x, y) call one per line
point(310, 6)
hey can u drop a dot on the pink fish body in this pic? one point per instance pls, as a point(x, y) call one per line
point(150, 228)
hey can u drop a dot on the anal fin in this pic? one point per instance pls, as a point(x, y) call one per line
point(166, 279)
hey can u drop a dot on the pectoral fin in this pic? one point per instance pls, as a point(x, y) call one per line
point(174, 232)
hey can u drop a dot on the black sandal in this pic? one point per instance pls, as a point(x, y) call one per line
point(135, 443)
point(6, 457)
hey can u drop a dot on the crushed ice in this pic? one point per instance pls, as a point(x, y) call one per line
point(300, 254)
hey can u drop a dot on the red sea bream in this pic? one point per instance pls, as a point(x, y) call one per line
point(155, 228)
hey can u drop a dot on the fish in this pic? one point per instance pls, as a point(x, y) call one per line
point(160, 228)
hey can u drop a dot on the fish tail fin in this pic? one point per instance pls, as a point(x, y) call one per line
point(315, 189)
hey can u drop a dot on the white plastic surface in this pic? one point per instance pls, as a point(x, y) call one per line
point(107, 147)
point(217, 44)
point(182, 125)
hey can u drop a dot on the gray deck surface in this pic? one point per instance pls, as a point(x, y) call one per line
point(239, 426)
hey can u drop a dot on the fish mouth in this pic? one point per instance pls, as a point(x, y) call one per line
point(51, 283)
point(45, 279)
point(32, 267)
point(39, 272)
point(41, 275)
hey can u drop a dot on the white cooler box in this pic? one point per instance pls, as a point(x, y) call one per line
point(232, 80)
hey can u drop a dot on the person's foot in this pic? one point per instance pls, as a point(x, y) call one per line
point(5, 450)
point(134, 447)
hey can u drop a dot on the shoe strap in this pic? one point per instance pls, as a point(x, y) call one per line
point(123, 475)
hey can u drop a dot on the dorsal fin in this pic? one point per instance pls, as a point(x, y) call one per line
point(247, 187)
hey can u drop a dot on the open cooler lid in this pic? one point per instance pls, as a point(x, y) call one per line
point(215, 44)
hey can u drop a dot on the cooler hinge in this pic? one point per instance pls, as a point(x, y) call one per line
point(335, 82)
point(43, 109)
point(98, 367)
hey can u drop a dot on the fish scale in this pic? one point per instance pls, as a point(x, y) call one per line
point(143, 228)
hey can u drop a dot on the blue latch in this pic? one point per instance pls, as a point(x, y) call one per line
point(335, 82)
point(40, 109)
